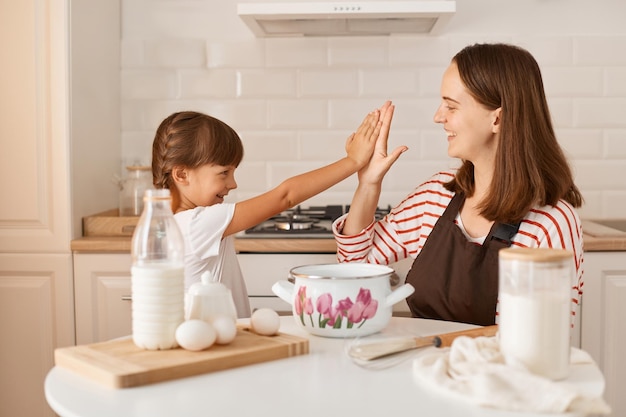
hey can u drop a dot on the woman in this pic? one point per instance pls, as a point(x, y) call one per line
point(514, 187)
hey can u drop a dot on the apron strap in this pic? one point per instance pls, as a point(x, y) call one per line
point(504, 232)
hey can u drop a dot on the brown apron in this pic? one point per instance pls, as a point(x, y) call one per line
point(455, 279)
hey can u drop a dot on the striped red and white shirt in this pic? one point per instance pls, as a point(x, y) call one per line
point(403, 232)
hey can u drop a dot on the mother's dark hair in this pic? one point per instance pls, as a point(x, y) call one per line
point(530, 166)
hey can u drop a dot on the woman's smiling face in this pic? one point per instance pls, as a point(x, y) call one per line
point(471, 128)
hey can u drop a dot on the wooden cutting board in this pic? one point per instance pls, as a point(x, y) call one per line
point(120, 364)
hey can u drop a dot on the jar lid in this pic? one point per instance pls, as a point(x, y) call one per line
point(209, 285)
point(535, 254)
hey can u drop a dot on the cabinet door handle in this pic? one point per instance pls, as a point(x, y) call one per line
point(127, 298)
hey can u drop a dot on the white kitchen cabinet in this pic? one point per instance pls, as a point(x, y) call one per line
point(36, 315)
point(262, 270)
point(102, 296)
point(59, 141)
point(603, 321)
point(36, 308)
point(102, 289)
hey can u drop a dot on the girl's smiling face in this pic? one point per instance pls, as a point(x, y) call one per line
point(206, 185)
point(471, 127)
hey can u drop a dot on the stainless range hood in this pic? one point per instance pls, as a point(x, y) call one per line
point(364, 18)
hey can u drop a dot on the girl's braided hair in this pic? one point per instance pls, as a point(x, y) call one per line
point(191, 139)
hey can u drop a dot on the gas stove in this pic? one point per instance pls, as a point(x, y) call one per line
point(311, 222)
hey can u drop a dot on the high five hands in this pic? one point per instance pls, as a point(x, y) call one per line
point(381, 161)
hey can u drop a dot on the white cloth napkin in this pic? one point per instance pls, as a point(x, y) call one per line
point(475, 370)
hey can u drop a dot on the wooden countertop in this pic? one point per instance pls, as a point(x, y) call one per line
point(93, 244)
point(594, 241)
point(604, 244)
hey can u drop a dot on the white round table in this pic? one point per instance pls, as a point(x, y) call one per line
point(324, 382)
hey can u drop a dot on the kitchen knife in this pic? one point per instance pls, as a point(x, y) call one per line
point(382, 348)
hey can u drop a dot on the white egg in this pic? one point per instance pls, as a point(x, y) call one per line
point(226, 329)
point(195, 335)
point(265, 321)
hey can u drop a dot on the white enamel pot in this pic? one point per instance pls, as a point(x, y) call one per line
point(341, 300)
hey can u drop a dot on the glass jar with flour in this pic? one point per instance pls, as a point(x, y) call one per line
point(535, 309)
point(138, 179)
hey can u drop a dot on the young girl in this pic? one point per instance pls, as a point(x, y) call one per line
point(195, 156)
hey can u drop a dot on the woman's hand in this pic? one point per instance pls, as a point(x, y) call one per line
point(381, 162)
point(360, 144)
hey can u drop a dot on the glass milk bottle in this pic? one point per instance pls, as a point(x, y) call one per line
point(157, 274)
point(535, 309)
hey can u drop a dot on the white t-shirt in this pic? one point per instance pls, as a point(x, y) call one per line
point(205, 250)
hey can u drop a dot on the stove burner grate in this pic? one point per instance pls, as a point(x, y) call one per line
point(315, 220)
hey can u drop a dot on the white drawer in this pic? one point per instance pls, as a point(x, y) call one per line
point(262, 270)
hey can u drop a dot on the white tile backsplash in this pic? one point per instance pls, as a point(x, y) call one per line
point(389, 82)
point(295, 100)
point(214, 83)
point(174, 53)
point(419, 51)
point(328, 83)
point(581, 143)
point(269, 145)
point(601, 175)
point(149, 85)
point(297, 114)
point(239, 114)
point(615, 81)
point(349, 113)
point(254, 175)
point(321, 145)
point(236, 54)
point(615, 144)
point(604, 112)
point(573, 81)
point(267, 84)
point(296, 52)
point(548, 50)
point(613, 203)
point(562, 112)
point(600, 50)
point(352, 52)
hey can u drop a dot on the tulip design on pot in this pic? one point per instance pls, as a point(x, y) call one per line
point(333, 316)
point(342, 299)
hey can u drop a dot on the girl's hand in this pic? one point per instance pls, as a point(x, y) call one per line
point(360, 144)
point(381, 162)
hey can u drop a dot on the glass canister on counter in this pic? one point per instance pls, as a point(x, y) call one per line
point(535, 309)
point(157, 274)
point(138, 179)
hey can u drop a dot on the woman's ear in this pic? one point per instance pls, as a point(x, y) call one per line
point(179, 175)
point(497, 118)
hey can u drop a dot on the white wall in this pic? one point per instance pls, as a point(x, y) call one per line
point(294, 101)
point(95, 107)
